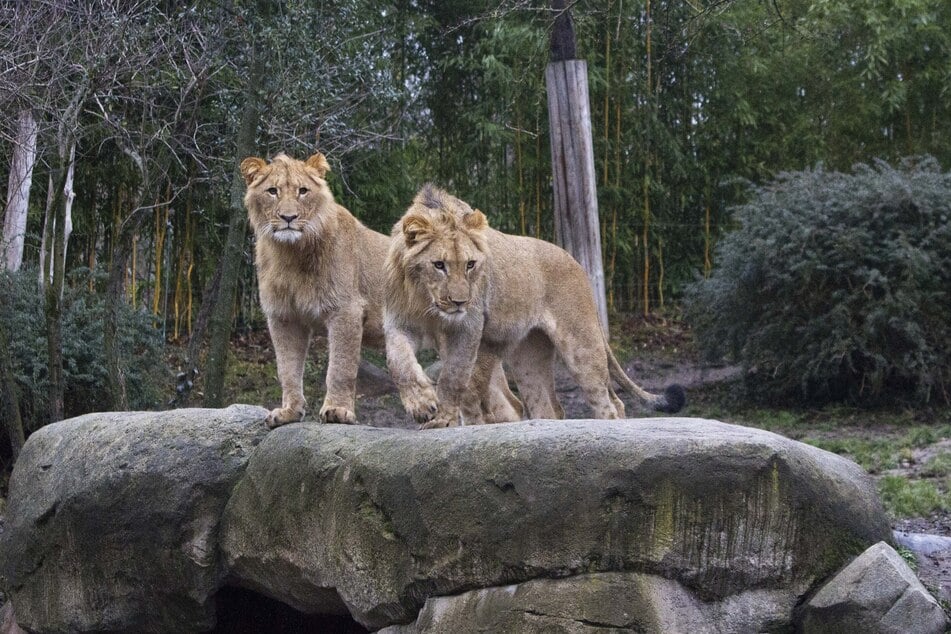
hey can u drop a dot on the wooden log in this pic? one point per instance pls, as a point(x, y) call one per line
point(577, 228)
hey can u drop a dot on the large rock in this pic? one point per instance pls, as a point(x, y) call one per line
point(380, 521)
point(877, 593)
point(113, 519)
point(132, 522)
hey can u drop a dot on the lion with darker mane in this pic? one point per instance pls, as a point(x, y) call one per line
point(481, 296)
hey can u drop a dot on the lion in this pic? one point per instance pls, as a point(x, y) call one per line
point(320, 269)
point(483, 295)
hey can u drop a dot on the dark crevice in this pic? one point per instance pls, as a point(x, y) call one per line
point(241, 611)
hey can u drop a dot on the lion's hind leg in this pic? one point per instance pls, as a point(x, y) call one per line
point(583, 351)
point(532, 363)
point(492, 400)
point(500, 404)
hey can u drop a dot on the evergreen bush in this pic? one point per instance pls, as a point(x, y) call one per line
point(837, 287)
point(21, 316)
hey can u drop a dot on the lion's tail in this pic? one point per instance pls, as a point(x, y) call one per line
point(670, 402)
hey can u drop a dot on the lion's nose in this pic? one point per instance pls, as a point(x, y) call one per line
point(288, 218)
point(459, 302)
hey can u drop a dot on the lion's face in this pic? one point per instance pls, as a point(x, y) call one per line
point(285, 197)
point(445, 252)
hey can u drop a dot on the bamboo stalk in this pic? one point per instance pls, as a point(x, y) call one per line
point(518, 168)
point(647, 262)
point(132, 285)
point(161, 223)
point(707, 262)
point(538, 180)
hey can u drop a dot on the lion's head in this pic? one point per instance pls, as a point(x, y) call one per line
point(285, 197)
point(438, 255)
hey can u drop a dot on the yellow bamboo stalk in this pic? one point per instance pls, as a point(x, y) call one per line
point(135, 249)
point(161, 221)
point(518, 167)
point(644, 236)
point(538, 181)
point(707, 261)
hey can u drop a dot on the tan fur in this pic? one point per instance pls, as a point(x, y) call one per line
point(325, 275)
point(482, 295)
point(318, 269)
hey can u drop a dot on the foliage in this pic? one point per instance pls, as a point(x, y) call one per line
point(835, 286)
point(688, 100)
point(84, 370)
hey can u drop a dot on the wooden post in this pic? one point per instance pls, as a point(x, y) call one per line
point(577, 228)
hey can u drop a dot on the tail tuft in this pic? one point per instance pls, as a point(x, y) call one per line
point(674, 400)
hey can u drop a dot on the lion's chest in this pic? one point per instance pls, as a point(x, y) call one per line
point(299, 295)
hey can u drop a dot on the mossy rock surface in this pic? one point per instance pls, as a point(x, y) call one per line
point(383, 519)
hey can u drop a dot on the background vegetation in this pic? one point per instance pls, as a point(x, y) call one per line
point(835, 286)
point(697, 106)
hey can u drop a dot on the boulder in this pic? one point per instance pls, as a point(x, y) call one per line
point(143, 522)
point(379, 521)
point(113, 519)
point(877, 593)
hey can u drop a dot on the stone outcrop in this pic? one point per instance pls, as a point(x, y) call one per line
point(132, 522)
point(877, 593)
point(113, 519)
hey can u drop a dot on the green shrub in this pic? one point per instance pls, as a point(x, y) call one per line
point(21, 315)
point(836, 287)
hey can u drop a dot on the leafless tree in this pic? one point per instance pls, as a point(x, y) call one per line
point(124, 68)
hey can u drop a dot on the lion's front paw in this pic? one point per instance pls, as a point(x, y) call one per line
point(421, 403)
point(442, 419)
point(340, 415)
point(283, 416)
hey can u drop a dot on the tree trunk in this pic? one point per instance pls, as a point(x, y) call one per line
point(577, 228)
point(48, 255)
point(115, 397)
point(56, 274)
point(9, 395)
point(223, 310)
point(18, 191)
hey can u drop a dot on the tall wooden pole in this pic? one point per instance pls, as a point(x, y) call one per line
point(577, 228)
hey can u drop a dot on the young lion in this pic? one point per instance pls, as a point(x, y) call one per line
point(320, 268)
point(484, 295)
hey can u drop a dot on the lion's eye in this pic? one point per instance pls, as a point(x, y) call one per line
point(440, 265)
point(470, 265)
point(272, 191)
point(302, 191)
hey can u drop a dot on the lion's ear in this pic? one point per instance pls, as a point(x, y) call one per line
point(415, 228)
point(475, 221)
point(319, 162)
point(251, 166)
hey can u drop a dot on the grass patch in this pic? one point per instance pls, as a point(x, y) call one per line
point(873, 455)
point(911, 498)
point(254, 379)
point(939, 466)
